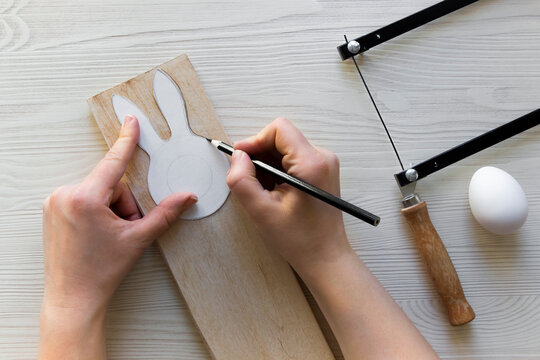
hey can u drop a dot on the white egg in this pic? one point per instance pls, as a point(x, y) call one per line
point(497, 201)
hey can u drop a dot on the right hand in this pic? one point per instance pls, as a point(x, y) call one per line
point(310, 235)
point(304, 230)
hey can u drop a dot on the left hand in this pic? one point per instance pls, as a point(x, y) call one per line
point(93, 233)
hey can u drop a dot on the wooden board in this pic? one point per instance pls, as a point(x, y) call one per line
point(243, 297)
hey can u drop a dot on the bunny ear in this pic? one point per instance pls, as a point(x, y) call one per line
point(149, 141)
point(171, 103)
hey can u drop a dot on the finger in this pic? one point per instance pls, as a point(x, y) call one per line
point(161, 218)
point(123, 203)
point(331, 159)
point(281, 136)
point(246, 188)
point(333, 178)
point(253, 147)
point(46, 204)
point(111, 168)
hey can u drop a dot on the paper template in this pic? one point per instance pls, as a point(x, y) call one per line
point(184, 162)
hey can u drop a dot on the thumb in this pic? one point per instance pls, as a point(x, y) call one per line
point(244, 185)
point(162, 217)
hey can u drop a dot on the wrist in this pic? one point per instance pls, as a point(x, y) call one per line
point(52, 311)
point(80, 301)
point(71, 330)
point(310, 266)
point(71, 320)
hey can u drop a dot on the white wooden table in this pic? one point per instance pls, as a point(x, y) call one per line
point(259, 59)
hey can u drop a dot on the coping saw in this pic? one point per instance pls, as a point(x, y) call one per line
point(430, 246)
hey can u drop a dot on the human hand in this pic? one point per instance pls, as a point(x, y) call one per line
point(310, 235)
point(93, 233)
point(305, 231)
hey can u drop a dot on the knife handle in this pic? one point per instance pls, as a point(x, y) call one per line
point(439, 264)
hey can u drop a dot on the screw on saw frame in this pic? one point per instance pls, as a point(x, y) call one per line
point(401, 27)
point(353, 47)
point(411, 175)
point(350, 45)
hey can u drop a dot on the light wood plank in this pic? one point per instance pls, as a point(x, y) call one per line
point(243, 297)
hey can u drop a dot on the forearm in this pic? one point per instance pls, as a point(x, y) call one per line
point(368, 324)
point(71, 334)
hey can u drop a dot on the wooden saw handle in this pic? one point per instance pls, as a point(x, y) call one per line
point(439, 264)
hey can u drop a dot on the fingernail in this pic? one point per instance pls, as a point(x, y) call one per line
point(239, 153)
point(128, 120)
point(192, 199)
point(246, 140)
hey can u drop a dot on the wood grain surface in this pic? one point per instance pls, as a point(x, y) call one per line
point(436, 87)
point(244, 297)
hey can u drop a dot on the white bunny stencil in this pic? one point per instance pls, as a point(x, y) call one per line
point(184, 162)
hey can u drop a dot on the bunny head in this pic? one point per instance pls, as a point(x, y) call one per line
point(184, 162)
